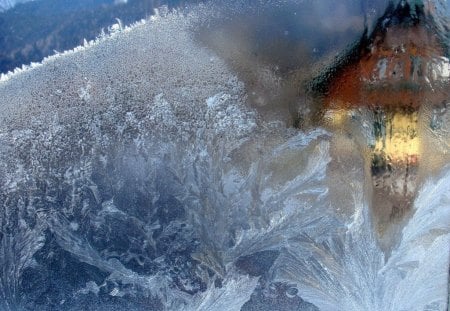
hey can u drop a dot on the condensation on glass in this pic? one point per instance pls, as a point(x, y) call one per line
point(397, 74)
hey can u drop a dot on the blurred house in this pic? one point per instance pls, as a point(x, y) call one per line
point(396, 74)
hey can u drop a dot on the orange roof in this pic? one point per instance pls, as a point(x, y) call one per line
point(397, 65)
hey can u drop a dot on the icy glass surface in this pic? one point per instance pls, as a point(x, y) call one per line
point(8, 4)
point(203, 161)
point(31, 31)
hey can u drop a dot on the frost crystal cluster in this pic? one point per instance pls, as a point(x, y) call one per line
point(135, 176)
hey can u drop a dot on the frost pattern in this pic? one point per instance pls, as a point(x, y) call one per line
point(347, 271)
point(8, 4)
point(233, 294)
point(147, 182)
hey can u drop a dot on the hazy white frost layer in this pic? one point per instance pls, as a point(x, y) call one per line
point(146, 137)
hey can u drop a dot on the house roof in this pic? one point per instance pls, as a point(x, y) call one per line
point(405, 31)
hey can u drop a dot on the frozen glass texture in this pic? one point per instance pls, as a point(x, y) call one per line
point(8, 4)
point(233, 155)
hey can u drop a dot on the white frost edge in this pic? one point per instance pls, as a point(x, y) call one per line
point(112, 32)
